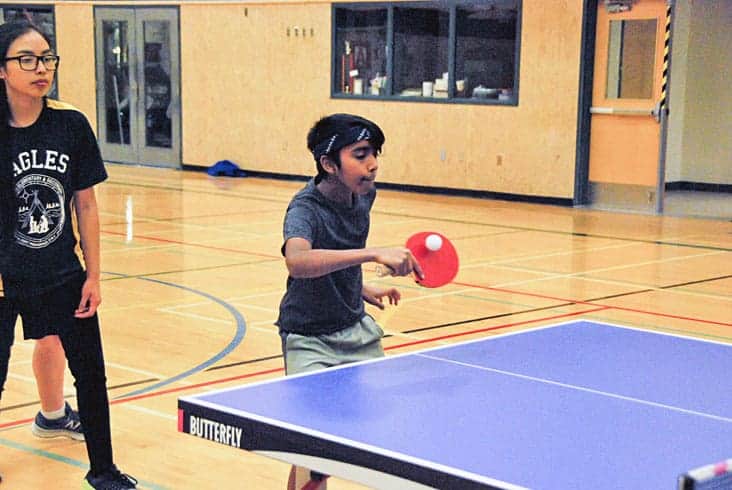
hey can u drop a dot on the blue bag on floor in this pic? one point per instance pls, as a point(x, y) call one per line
point(225, 168)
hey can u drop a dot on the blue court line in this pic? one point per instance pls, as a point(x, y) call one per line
point(238, 336)
point(64, 459)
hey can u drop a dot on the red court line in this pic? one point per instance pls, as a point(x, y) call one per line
point(488, 329)
point(398, 346)
point(275, 370)
point(199, 385)
point(522, 293)
point(668, 315)
point(15, 423)
point(163, 392)
point(599, 307)
point(634, 310)
point(189, 244)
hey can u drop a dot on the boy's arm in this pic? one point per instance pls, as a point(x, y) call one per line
point(87, 215)
point(305, 262)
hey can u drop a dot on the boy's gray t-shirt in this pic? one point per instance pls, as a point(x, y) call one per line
point(332, 302)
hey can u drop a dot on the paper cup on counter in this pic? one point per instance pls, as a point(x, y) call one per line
point(427, 88)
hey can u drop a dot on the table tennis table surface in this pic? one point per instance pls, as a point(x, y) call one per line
point(577, 405)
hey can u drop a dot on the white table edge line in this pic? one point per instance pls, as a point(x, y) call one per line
point(355, 444)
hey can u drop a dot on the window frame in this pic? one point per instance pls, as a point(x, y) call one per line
point(452, 6)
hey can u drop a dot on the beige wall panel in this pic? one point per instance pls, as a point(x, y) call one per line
point(75, 44)
point(250, 93)
point(707, 147)
point(677, 91)
point(541, 135)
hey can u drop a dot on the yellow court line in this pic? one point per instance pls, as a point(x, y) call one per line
point(661, 290)
point(384, 319)
point(551, 276)
point(233, 299)
point(561, 253)
point(148, 411)
point(217, 320)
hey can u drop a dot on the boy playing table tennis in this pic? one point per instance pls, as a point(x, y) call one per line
point(322, 319)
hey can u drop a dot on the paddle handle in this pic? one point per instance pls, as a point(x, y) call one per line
point(384, 270)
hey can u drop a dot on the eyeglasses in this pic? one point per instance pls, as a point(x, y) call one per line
point(29, 62)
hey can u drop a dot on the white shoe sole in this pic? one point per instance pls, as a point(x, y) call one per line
point(49, 433)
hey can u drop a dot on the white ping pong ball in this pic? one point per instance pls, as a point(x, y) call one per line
point(433, 242)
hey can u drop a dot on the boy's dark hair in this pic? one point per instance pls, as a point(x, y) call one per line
point(331, 133)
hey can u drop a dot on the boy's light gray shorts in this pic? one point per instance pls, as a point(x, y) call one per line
point(359, 342)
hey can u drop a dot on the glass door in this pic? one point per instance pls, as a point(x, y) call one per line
point(138, 92)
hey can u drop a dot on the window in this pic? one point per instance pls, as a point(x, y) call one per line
point(485, 57)
point(361, 47)
point(421, 38)
point(631, 59)
point(40, 15)
point(464, 51)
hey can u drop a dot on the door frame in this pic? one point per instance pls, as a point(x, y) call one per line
point(582, 187)
point(139, 153)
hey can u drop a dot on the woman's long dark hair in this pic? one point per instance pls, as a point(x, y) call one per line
point(9, 32)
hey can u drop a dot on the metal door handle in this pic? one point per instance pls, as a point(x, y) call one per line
point(621, 112)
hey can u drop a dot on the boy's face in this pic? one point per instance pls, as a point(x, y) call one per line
point(358, 167)
point(27, 83)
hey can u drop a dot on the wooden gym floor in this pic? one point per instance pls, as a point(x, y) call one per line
point(193, 277)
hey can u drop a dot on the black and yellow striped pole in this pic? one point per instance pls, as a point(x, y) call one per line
point(666, 53)
point(662, 110)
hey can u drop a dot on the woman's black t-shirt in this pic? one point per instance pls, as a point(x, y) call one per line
point(51, 159)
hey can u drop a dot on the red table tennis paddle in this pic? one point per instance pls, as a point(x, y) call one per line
point(437, 257)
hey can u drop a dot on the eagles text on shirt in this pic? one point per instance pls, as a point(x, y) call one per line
point(47, 160)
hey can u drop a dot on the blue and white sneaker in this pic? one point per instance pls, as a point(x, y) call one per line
point(67, 426)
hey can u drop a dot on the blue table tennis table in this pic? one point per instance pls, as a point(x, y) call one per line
point(579, 405)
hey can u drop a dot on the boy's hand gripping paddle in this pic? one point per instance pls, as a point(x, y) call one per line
point(437, 257)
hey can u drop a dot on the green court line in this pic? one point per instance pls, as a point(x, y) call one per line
point(560, 232)
point(447, 220)
point(198, 191)
point(64, 459)
point(181, 271)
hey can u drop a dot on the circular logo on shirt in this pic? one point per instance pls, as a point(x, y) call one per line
point(41, 213)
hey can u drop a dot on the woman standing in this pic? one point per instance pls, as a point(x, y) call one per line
point(50, 164)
